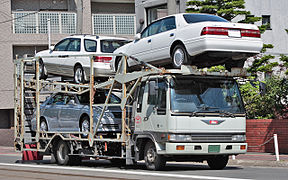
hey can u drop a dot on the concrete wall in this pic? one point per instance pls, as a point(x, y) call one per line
point(261, 130)
point(116, 8)
point(37, 5)
point(279, 22)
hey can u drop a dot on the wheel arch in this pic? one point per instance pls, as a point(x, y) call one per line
point(141, 141)
point(81, 117)
point(175, 43)
point(42, 118)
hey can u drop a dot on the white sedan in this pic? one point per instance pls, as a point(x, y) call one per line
point(70, 57)
point(196, 39)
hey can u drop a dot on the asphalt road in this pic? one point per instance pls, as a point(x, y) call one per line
point(12, 168)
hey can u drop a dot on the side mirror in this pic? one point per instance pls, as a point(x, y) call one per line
point(137, 36)
point(51, 48)
point(72, 101)
point(262, 88)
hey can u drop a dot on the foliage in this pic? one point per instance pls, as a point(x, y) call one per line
point(227, 9)
point(216, 68)
point(284, 59)
point(273, 104)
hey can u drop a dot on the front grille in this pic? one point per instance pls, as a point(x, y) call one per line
point(211, 138)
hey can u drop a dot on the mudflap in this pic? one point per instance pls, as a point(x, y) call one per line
point(31, 155)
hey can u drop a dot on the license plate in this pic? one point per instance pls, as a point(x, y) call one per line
point(234, 33)
point(213, 148)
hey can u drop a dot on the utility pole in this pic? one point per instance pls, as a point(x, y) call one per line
point(49, 33)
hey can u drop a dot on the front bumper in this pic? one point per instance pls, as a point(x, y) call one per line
point(193, 148)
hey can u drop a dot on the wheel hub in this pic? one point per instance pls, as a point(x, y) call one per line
point(78, 75)
point(151, 155)
point(178, 57)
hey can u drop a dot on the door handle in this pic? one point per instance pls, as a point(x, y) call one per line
point(63, 56)
point(172, 34)
point(149, 41)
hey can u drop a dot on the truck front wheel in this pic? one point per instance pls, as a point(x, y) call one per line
point(218, 162)
point(153, 161)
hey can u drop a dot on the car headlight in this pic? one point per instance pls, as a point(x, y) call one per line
point(179, 137)
point(238, 138)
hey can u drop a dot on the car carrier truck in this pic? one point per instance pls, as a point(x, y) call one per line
point(167, 115)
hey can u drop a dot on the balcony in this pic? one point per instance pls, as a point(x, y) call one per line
point(118, 24)
point(36, 22)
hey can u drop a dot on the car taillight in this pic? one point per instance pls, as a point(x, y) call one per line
point(103, 59)
point(214, 31)
point(224, 31)
point(250, 33)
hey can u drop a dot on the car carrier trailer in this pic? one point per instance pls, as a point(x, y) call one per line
point(167, 115)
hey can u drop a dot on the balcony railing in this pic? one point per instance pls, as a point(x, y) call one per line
point(36, 22)
point(118, 24)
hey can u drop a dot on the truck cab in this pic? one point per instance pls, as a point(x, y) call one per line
point(189, 117)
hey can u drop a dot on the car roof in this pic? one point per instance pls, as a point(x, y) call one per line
point(180, 14)
point(91, 36)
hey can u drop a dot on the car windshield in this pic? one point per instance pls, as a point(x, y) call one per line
point(193, 95)
point(99, 98)
point(109, 46)
point(195, 18)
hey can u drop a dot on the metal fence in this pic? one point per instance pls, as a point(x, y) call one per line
point(118, 24)
point(36, 22)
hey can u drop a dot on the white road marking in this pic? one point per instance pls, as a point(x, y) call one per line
point(122, 172)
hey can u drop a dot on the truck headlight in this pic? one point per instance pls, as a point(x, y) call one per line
point(179, 137)
point(239, 138)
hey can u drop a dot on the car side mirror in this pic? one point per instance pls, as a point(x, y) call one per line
point(137, 37)
point(51, 48)
point(72, 101)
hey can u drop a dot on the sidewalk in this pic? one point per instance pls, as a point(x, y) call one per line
point(260, 159)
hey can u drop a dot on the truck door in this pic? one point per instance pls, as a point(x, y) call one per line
point(151, 107)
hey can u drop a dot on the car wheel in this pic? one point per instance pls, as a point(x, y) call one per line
point(42, 70)
point(85, 126)
point(179, 56)
point(43, 125)
point(153, 161)
point(79, 76)
point(218, 162)
point(62, 153)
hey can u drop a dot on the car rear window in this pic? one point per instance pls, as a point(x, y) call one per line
point(109, 46)
point(195, 18)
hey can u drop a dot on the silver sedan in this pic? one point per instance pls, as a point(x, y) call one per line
point(67, 112)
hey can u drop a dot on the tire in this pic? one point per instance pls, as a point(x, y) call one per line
point(218, 162)
point(62, 153)
point(43, 125)
point(179, 56)
point(85, 126)
point(42, 70)
point(153, 161)
point(79, 75)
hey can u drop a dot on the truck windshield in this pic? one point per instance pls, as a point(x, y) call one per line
point(200, 95)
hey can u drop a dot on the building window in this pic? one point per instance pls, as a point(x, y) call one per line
point(266, 21)
point(154, 13)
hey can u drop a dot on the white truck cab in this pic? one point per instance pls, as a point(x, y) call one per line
point(189, 117)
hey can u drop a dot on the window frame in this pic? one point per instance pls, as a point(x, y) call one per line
point(90, 40)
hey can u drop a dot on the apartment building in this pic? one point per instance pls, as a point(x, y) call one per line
point(23, 30)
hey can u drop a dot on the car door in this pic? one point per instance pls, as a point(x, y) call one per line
point(56, 57)
point(73, 49)
point(52, 112)
point(161, 42)
point(69, 113)
point(141, 48)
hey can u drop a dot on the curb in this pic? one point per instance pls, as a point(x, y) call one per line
point(258, 163)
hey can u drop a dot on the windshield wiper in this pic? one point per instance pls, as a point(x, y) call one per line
point(203, 109)
point(225, 113)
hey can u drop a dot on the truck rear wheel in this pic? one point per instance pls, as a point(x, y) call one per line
point(62, 153)
point(218, 162)
point(153, 161)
